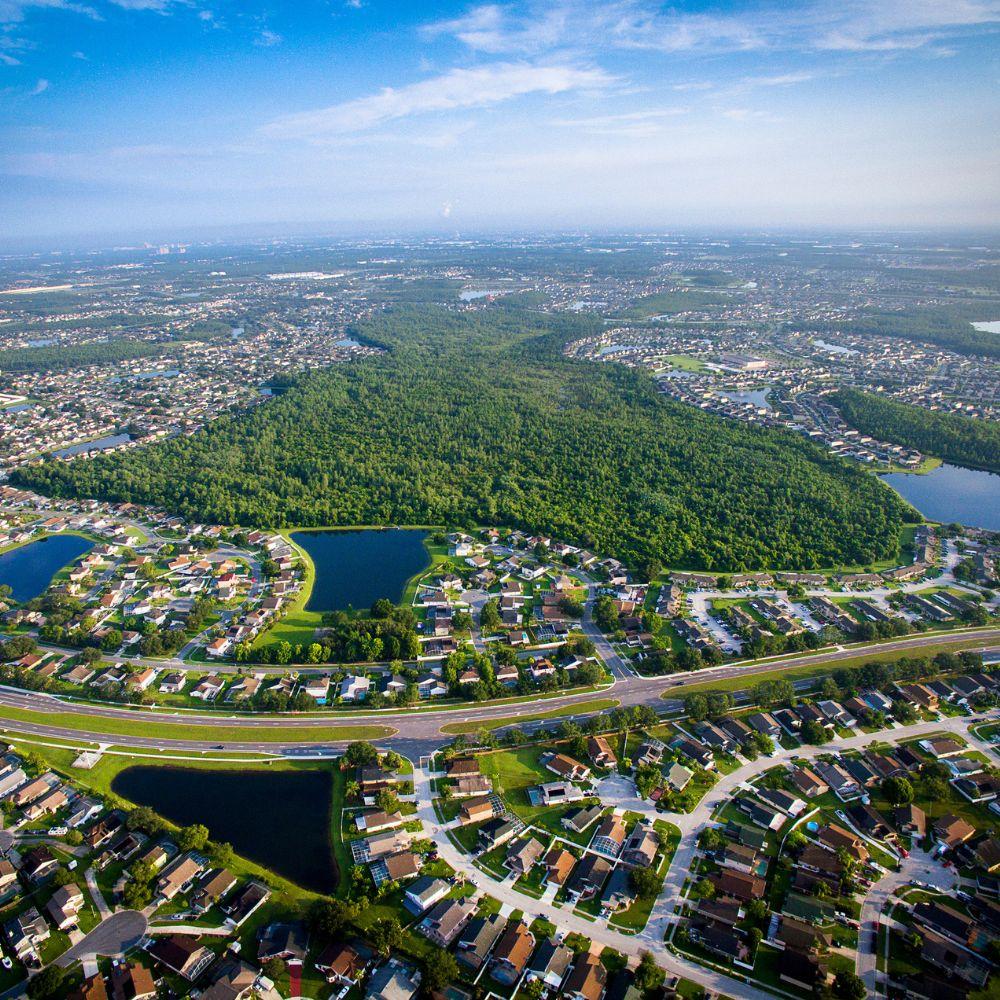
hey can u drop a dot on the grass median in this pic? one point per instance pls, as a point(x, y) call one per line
point(577, 708)
point(100, 725)
point(754, 674)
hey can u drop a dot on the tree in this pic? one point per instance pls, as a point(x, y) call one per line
point(387, 800)
point(274, 968)
point(386, 935)
point(849, 986)
point(439, 971)
point(51, 983)
point(813, 732)
point(192, 838)
point(696, 707)
point(645, 882)
point(533, 989)
point(898, 791)
point(222, 853)
point(648, 975)
point(329, 917)
point(360, 754)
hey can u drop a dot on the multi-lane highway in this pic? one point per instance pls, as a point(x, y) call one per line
point(416, 730)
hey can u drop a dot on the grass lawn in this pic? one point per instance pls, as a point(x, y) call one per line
point(798, 671)
point(597, 705)
point(145, 725)
point(297, 625)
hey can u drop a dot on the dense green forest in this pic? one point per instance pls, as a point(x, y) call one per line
point(478, 418)
point(949, 328)
point(958, 439)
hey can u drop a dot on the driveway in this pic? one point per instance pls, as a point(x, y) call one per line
point(111, 937)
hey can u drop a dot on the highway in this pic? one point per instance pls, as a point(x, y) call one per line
point(417, 730)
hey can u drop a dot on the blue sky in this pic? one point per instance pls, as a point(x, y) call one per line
point(161, 117)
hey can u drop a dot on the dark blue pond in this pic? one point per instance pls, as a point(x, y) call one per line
point(29, 569)
point(279, 819)
point(951, 493)
point(356, 568)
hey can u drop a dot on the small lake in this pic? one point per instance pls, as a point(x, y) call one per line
point(29, 569)
point(279, 819)
point(758, 397)
point(101, 444)
point(951, 493)
point(356, 568)
point(993, 326)
point(835, 348)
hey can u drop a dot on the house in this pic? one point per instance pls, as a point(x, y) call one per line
point(215, 885)
point(580, 819)
point(287, 941)
point(678, 777)
point(719, 940)
point(131, 981)
point(738, 857)
point(910, 819)
point(477, 940)
point(181, 954)
point(512, 953)
point(609, 836)
point(523, 854)
point(498, 831)
point(477, 809)
point(600, 752)
point(395, 867)
point(446, 920)
point(38, 863)
point(777, 798)
point(618, 892)
point(566, 767)
point(178, 877)
point(951, 830)
point(424, 893)
point(559, 792)
point(587, 979)
point(694, 751)
point(639, 849)
point(558, 864)
point(234, 980)
point(942, 748)
point(25, 933)
point(765, 724)
point(245, 902)
point(722, 911)
point(803, 971)
point(64, 906)
point(738, 885)
point(840, 782)
point(377, 821)
point(550, 963)
point(835, 838)
point(799, 936)
point(353, 688)
point(395, 980)
point(941, 953)
point(588, 877)
point(344, 962)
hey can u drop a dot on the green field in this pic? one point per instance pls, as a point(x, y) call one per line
point(148, 727)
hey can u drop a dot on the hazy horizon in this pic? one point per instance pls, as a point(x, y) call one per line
point(169, 117)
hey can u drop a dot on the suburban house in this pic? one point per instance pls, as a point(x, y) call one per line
point(512, 953)
point(446, 920)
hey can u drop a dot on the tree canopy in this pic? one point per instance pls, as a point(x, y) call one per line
point(478, 418)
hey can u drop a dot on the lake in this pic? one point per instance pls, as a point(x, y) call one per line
point(101, 444)
point(835, 348)
point(991, 326)
point(357, 567)
point(951, 493)
point(279, 819)
point(29, 569)
point(757, 397)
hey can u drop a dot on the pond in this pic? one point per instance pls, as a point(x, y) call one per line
point(757, 397)
point(356, 568)
point(101, 444)
point(952, 493)
point(29, 569)
point(279, 819)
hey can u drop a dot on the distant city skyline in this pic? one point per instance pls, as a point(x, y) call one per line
point(163, 117)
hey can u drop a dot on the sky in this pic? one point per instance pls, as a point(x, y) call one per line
point(165, 118)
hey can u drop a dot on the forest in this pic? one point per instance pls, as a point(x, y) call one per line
point(477, 418)
point(962, 440)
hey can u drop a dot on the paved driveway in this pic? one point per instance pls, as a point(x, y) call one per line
point(111, 937)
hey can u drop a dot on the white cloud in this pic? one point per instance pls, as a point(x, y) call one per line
point(834, 25)
point(14, 11)
point(40, 88)
point(266, 38)
point(455, 90)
